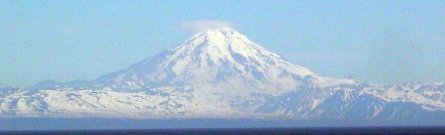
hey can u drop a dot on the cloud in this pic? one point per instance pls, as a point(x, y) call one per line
point(196, 26)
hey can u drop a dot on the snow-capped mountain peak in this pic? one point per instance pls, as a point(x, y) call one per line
point(222, 58)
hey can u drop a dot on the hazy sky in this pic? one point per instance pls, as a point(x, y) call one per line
point(374, 41)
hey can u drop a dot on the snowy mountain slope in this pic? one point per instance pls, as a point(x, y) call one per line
point(164, 102)
point(426, 94)
point(221, 58)
point(221, 73)
point(353, 103)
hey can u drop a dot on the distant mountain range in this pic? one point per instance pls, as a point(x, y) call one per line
point(220, 73)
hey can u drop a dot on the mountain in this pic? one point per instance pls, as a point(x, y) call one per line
point(221, 58)
point(221, 73)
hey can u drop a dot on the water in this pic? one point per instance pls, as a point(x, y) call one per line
point(248, 131)
point(106, 126)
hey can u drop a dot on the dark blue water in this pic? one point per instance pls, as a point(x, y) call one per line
point(112, 123)
point(104, 126)
point(248, 131)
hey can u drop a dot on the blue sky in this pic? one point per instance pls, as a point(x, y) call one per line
point(373, 41)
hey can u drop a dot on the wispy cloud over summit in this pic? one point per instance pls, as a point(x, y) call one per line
point(196, 26)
